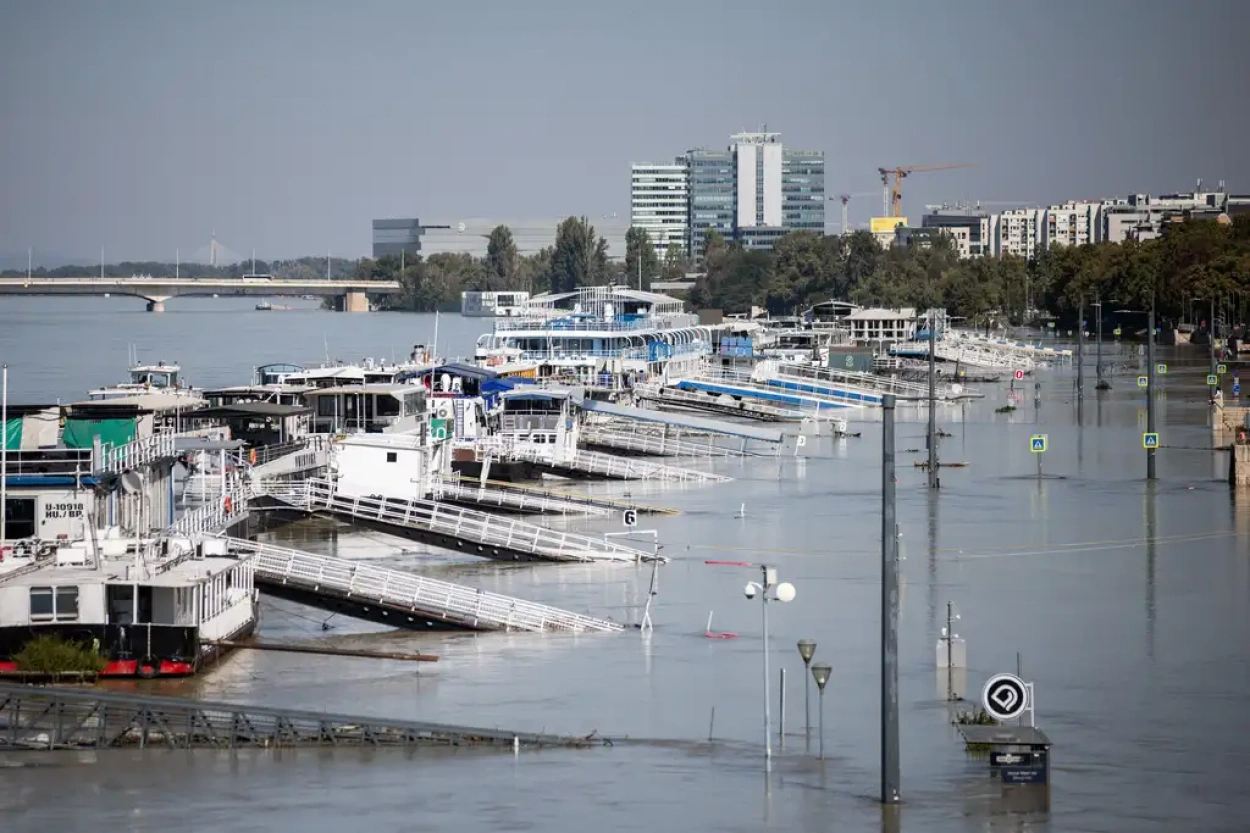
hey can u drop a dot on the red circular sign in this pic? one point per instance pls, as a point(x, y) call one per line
point(1019, 374)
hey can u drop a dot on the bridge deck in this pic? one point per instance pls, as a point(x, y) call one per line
point(400, 598)
point(59, 718)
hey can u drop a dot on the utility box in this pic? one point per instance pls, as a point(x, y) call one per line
point(954, 657)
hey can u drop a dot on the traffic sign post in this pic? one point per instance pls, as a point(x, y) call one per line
point(1162, 369)
point(1150, 440)
point(630, 518)
point(1213, 379)
point(1037, 444)
point(1143, 381)
point(1221, 369)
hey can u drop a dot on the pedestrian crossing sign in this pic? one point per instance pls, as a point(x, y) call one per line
point(1143, 382)
point(1212, 379)
point(1037, 443)
point(1162, 369)
point(1221, 369)
point(1150, 440)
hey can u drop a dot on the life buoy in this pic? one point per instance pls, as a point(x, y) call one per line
point(251, 456)
point(228, 504)
point(148, 668)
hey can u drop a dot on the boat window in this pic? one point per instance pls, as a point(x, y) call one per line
point(54, 604)
point(41, 609)
point(19, 518)
point(392, 456)
point(66, 603)
point(388, 406)
point(327, 406)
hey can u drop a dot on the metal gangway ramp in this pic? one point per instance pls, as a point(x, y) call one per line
point(467, 490)
point(909, 391)
point(46, 718)
point(583, 463)
point(467, 531)
point(637, 439)
point(672, 397)
point(399, 598)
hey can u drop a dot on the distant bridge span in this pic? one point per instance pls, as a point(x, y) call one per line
point(354, 295)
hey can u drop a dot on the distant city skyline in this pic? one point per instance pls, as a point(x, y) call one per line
point(140, 129)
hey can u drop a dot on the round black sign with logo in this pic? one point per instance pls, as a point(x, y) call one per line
point(1005, 697)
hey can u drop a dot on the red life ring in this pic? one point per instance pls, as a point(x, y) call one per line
point(148, 668)
point(228, 504)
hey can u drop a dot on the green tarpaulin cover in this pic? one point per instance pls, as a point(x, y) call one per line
point(13, 434)
point(81, 433)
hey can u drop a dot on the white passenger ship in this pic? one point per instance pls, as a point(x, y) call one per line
point(601, 337)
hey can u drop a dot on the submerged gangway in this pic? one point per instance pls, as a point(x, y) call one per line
point(45, 718)
point(708, 402)
point(466, 490)
point(400, 598)
point(464, 530)
point(583, 463)
point(906, 390)
point(638, 440)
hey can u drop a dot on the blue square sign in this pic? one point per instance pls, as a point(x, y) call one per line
point(1037, 443)
point(1143, 382)
point(1150, 440)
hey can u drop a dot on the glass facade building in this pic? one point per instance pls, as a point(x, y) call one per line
point(754, 192)
point(391, 237)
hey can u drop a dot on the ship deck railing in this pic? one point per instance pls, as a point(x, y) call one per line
point(537, 503)
point(454, 603)
point(869, 381)
point(482, 530)
point(642, 440)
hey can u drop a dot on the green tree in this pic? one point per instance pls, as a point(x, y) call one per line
point(502, 262)
point(800, 269)
point(676, 264)
point(640, 258)
point(580, 256)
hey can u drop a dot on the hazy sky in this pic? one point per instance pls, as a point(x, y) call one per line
point(287, 125)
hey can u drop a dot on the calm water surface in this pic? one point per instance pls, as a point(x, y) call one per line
point(1128, 607)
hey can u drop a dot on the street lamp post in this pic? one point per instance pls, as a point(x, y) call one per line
point(821, 672)
point(807, 649)
point(1150, 387)
point(781, 592)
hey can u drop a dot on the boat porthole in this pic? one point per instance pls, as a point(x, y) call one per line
point(410, 619)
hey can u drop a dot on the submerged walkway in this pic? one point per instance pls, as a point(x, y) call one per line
point(463, 530)
point(399, 598)
point(59, 718)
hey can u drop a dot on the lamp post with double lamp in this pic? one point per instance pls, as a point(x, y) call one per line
point(768, 590)
point(821, 672)
point(807, 649)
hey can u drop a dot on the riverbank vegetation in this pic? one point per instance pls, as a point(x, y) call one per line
point(1201, 259)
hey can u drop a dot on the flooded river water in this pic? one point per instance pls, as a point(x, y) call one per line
point(1127, 605)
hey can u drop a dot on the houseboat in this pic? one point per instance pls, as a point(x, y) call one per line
point(367, 409)
point(147, 608)
point(147, 378)
point(603, 336)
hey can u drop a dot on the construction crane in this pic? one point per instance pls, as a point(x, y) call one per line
point(845, 198)
point(892, 202)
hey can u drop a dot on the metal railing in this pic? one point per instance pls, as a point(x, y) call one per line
point(704, 402)
point(593, 462)
point(218, 514)
point(652, 443)
point(114, 459)
point(466, 606)
point(869, 381)
point(567, 323)
point(492, 536)
point(47, 462)
point(456, 489)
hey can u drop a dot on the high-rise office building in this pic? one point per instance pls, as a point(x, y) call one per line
point(753, 192)
point(393, 237)
point(659, 202)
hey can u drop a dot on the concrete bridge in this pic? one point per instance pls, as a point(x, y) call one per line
point(353, 295)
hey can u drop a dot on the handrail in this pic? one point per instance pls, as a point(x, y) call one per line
point(471, 525)
point(467, 605)
point(605, 465)
point(651, 443)
point(218, 514)
point(455, 488)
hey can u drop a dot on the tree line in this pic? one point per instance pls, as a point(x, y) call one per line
point(1190, 261)
point(1201, 259)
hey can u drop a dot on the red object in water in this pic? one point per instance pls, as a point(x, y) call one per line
point(711, 634)
point(730, 563)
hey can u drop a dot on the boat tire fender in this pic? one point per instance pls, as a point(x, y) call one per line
point(148, 668)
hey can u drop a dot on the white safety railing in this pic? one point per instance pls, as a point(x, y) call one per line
point(455, 489)
point(869, 381)
point(143, 452)
point(709, 402)
point(487, 535)
point(456, 603)
point(595, 463)
point(218, 514)
point(648, 442)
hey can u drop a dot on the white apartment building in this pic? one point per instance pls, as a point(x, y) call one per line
point(1071, 224)
point(1015, 232)
point(659, 202)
